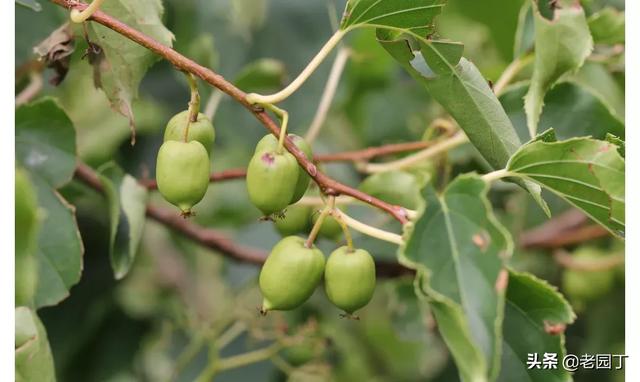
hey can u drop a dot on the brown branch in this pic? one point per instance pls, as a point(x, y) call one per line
point(372, 152)
point(563, 230)
point(214, 239)
point(328, 185)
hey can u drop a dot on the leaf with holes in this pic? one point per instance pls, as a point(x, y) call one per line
point(119, 63)
point(534, 321)
point(459, 249)
point(586, 172)
point(561, 46)
point(127, 206)
point(411, 15)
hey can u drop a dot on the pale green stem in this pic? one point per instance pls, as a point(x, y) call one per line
point(284, 121)
point(80, 17)
point(248, 358)
point(318, 201)
point(187, 355)
point(316, 227)
point(495, 175)
point(514, 68)
point(328, 94)
point(347, 235)
point(408, 161)
point(302, 77)
point(369, 230)
point(230, 334)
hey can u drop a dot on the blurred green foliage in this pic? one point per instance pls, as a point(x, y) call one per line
point(157, 323)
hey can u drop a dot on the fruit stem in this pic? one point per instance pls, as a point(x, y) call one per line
point(345, 229)
point(328, 94)
point(194, 103)
point(316, 227)
point(302, 77)
point(284, 118)
point(369, 230)
point(80, 17)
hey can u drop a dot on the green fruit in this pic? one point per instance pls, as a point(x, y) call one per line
point(201, 130)
point(310, 348)
point(271, 180)
point(296, 219)
point(290, 274)
point(582, 286)
point(330, 228)
point(270, 143)
point(26, 225)
point(395, 187)
point(182, 173)
point(350, 278)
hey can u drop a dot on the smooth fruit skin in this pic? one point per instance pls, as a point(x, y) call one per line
point(271, 180)
point(296, 219)
point(201, 130)
point(182, 173)
point(290, 274)
point(395, 187)
point(350, 278)
point(330, 228)
point(270, 143)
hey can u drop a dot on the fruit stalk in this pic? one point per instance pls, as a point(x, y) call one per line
point(283, 94)
point(194, 103)
point(316, 227)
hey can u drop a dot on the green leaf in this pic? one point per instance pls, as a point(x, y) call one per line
point(459, 249)
point(31, 4)
point(27, 225)
point(45, 141)
point(60, 249)
point(586, 172)
point(127, 206)
point(122, 63)
point(571, 109)
point(561, 46)
point(33, 360)
point(460, 88)
point(263, 74)
point(414, 15)
point(532, 309)
point(607, 26)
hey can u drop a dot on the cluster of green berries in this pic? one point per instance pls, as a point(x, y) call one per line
point(294, 267)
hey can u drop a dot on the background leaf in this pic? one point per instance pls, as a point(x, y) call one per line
point(60, 249)
point(33, 354)
point(561, 46)
point(607, 26)
point(459, 249)
point(586, 172)
point(414, 15)
point(127, 206)
point(121, 64)
point(572, 110)
point(532, 307)
point(45, 141)
point(27, 225)
point(45, 145)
